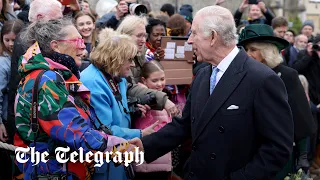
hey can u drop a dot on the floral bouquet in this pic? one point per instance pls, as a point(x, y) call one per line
point(300, 175)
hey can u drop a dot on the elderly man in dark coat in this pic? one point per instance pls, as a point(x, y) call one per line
point(237, 112)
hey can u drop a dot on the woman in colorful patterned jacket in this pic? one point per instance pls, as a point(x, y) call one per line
point(64, 113)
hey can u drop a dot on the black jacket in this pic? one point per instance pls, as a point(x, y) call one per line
point(18, 50)
point(304, 125)
point(309, 66)
point(244, 130)
point(197, 66)
point(268, 19)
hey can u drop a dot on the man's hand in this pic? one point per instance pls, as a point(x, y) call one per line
point(169, 104)
point(244, 5)
point(171, 108)
point(3, 133)
point(150, 129)
point(122, 9)
point(144, 109)
point(74, 5)
point(309, 49)
point(137, 142)
point(262, 6)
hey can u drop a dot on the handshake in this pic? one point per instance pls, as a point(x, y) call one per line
point(137, 143)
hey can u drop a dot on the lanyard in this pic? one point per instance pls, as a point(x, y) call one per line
point(115, 90)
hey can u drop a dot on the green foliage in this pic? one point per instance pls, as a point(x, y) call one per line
point(296, 24)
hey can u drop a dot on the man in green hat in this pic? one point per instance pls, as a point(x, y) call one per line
point(237, 113)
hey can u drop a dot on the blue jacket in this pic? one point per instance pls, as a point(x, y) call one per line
point(111, 113)
point(5, 64)
point(108, 110)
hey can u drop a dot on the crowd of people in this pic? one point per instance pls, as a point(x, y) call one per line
point(72, 76)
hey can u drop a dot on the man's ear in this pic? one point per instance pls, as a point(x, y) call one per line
point(39, 17)
point(54, 46)
point(214, 37)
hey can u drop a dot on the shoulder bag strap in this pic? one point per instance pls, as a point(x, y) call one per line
point(34, 113)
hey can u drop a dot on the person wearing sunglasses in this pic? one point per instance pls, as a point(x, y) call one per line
point(65, 116)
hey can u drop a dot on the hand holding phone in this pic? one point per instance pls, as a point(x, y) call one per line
point(253, 2)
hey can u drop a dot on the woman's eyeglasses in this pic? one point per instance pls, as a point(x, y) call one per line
point(142, 35)
point(79, 42)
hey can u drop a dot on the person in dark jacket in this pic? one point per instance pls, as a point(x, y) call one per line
point(262, 45)
point(186, 11)
point(315, 111)
point(308, 29)
point(308, 64)
point(237, 112)
point(279, 26)
point(24, 13)
point(255, 15)
point(289, 36)
point(167, 9)
point(290, 53)
point(122, 11)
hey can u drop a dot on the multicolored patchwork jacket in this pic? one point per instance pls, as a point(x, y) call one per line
point(64, 116)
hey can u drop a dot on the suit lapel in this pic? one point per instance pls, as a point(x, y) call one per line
point(203, 89)
point(202, 95)
point(226, 85)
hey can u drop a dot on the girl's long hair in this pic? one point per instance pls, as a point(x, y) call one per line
point(94, 32)
point(14, 26)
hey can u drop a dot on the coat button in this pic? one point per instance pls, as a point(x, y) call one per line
point(221, 129)
point(193, 119)
point(213, 156)
point(194, 148)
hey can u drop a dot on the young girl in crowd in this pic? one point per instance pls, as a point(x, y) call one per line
point(8, 34)
point(153, 77)
point(85, 23)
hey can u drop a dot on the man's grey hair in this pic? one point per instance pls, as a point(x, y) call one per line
point(44, 8)
point(44, 32)
point(219, 19)
point(297, 38)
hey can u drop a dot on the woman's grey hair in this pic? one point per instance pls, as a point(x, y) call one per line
point(44, 32)
point(269, 52)
point(220, 20)
point(304, 83)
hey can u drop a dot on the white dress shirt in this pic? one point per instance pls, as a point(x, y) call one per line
point(224, 64)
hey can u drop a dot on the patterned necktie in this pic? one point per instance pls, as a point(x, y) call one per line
point(213, 78)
